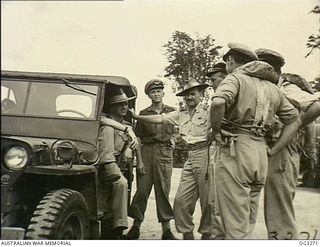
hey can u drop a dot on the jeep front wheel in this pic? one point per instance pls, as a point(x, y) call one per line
point(61, 214)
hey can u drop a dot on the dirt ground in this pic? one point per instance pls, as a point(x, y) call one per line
point(307, 206)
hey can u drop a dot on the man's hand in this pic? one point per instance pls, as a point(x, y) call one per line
point(216, 136)
point(133, 113)
point(269, 151)
point(133, 139)
point(140, 168)
point(104, 121)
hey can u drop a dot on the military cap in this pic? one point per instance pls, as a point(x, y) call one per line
point(119, 96)
point(218, 67)
point(152, 84)
point(271, 57)
point(192, 83)
point(240, 49)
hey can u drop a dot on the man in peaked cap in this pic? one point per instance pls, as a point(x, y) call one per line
point(193, 125)
point(242, 109)
point(217, 74)
point(242, 52)
point(157, 156)
point(273, 58)
point(296, 89)
point(281, 183)
point(218, 67)
point(153, 84)
point(113, 149)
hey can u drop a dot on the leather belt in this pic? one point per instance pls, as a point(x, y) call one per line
point(196, 146)
point(162, 144)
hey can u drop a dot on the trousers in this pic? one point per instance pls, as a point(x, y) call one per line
point(158, 161)
point(279, 193)
point(119, 194)
point(217, 229)
point(193, 186)
point(239, 178)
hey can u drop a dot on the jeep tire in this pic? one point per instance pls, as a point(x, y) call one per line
point(61, 214)
point(311, 179)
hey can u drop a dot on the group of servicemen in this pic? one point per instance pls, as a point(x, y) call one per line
point(245, 138)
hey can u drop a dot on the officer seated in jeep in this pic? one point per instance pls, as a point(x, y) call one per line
point(7, 106)
point(114, 151)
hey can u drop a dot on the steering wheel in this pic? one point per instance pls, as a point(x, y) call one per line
point(72, 111)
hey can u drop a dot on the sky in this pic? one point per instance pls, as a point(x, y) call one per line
point(126, 38)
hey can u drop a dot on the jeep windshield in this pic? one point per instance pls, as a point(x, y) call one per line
point(49, 99)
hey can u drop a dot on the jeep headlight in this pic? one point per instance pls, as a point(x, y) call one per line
point(16, 158)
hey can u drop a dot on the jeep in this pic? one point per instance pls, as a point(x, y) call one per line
point(50, 185)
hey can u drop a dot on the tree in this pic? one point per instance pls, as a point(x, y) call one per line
point(314, 39)
point(189, 58)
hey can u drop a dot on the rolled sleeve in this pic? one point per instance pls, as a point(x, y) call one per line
point(228, 89)
point(287, 113)
point(299, 98)
point(171, 118)
point(106, 144)
point(139, 129)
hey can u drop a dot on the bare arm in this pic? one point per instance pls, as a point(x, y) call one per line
point(311, 114)
point(112, 123)
point(118, 126)
point(140, 164)
point(154, 119)
point(217, 111)
point(287, 134)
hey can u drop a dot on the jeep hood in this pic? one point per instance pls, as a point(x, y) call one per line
point(52, 128)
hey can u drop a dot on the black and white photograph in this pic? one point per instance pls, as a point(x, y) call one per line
point(160, 120)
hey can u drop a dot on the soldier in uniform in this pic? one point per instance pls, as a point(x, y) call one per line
point(193, 122)
point(157, 156)
point(242, 108)
point(217, 74)
point(118, 126)
point(113, 144)
point(283, 168)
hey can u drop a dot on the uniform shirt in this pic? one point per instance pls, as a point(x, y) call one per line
point(302, 100)
point(192, 129)
point(299, 98)
point(154, 132)
point(253, 100)
point(111, 143)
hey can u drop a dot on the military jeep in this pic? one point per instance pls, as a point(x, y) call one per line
point(50, 186)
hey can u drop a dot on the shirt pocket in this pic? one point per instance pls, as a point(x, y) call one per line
point(149, 129)
point(169, 129)
point(199, 126)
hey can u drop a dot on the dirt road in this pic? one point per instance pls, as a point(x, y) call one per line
point(307, 206)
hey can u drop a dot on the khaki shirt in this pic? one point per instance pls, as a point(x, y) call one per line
point(302, 100)
point(192, 129)
point(111, 143)
point(254, 101)
point(150, 133)
point(299, 98)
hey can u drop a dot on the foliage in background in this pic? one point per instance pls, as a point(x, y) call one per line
point(189, 58)
point(314, 39)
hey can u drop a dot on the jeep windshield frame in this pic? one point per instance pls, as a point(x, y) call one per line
point(59, 99)
point(61, 127)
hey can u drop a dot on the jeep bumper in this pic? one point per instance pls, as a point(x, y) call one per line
point(12, 233)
